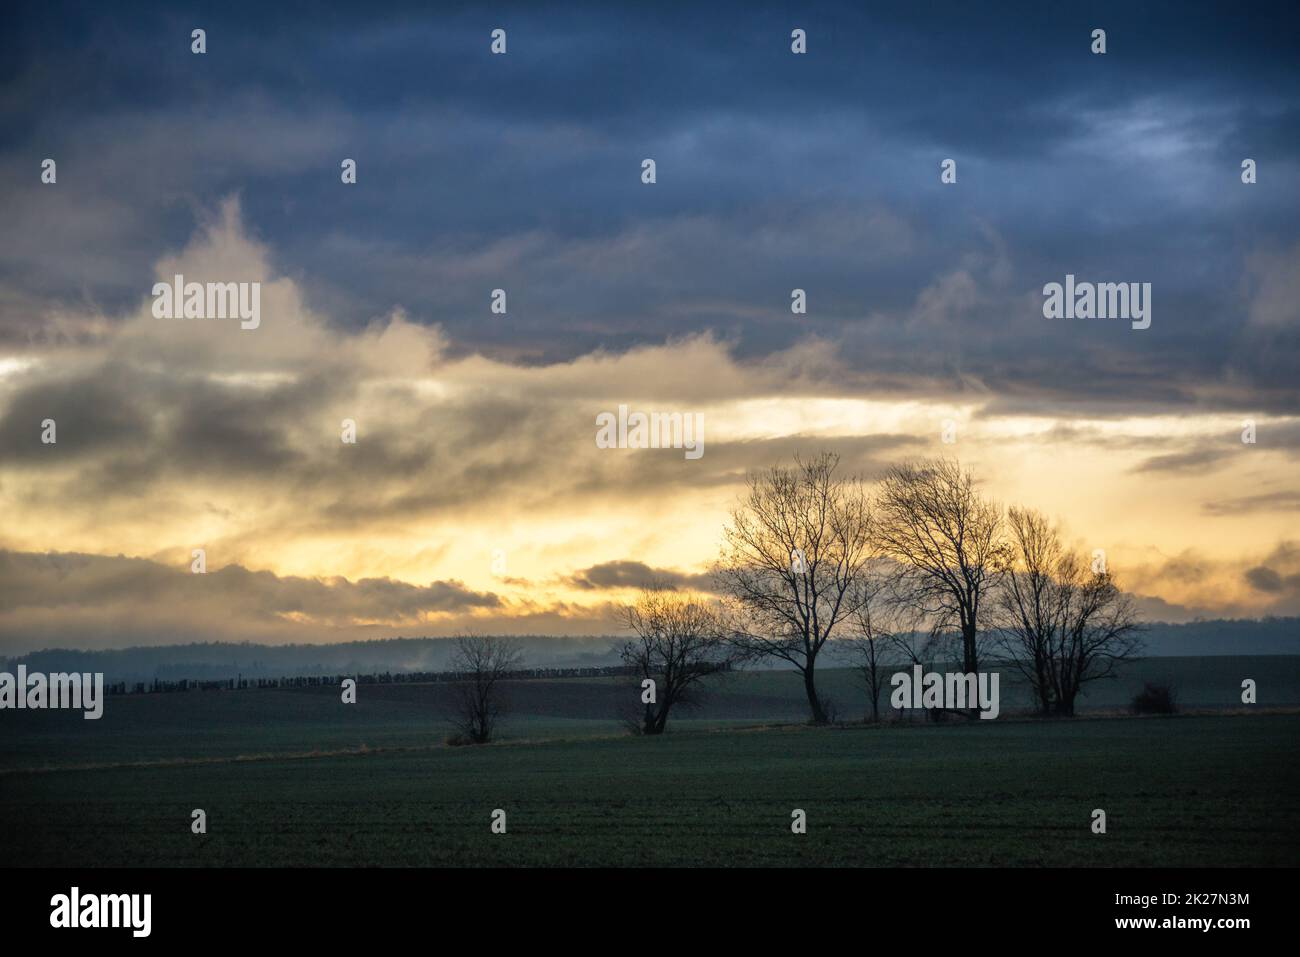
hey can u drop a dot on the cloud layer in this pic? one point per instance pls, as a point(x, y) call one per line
point(475, 495)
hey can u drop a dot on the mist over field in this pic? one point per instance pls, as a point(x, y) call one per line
point(212, 661)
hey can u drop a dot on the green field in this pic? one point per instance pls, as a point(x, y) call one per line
point(1177, 791)
point(198, 724)
point(295, 778)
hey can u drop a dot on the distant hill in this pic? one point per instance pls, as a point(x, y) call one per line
point(217, 660)
point(1240, 636)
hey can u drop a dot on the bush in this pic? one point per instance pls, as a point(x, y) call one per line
point(458, 741)
point(1155, 699)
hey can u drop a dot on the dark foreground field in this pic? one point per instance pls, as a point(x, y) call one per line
point(1195, 790)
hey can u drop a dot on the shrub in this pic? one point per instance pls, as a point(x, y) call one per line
point(1155, 699)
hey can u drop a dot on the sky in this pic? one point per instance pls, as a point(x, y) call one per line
point(475, 496)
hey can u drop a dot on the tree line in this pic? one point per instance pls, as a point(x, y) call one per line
point(921, 568)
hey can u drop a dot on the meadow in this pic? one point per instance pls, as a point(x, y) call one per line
point(294, 778)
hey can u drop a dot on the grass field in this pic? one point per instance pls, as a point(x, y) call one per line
point(1177, 791)
point(139, 728)
point(295, 778)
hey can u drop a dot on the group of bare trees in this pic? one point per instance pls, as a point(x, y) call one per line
point(1062, 623)
point(924, 568)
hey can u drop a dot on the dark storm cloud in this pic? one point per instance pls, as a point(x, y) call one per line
point(633, 574)
point(775, 171)
point(1264, 579)
point(1278, 575)
point(130, 424)
point(35, 588)
point(92, 412)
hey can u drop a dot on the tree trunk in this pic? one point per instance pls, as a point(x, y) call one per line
point(971, 658)
point(662, 721)
point(651, 724)
point(969, 654)
point(814, 702)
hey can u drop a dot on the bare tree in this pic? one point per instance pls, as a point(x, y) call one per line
point(1029, 601)
point(888, 632)
point(679, 642)
point(795, 548)
point(948, 541)
point(874, 643)
point(1064, 623)
point(869, 653)
point(482, 664)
